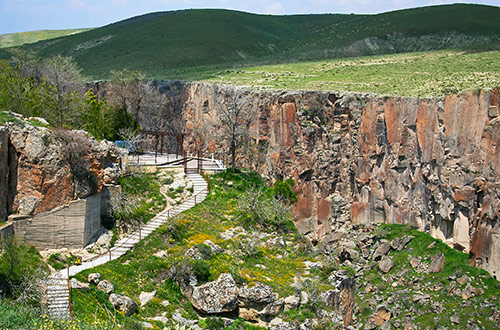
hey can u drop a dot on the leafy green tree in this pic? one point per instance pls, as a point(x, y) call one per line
point(105, 121)
point(22, 94)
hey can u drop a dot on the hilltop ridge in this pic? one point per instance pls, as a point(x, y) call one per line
point(179, 43)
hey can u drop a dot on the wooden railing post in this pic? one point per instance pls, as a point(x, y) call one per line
point(109, 254)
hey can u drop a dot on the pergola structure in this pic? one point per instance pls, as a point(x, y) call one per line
point(159, 137)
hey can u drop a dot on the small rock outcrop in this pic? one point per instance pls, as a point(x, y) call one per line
point(75, 284)
point(94, 278)
point(215, 297)
point(106, 286)
point(123, 303)
point(437, 263)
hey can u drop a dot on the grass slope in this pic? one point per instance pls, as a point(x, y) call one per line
point(21, 38)
point(423, 74)
point(187, 44)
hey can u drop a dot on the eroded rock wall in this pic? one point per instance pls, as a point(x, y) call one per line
point(50, 183)
point(430, 163)
point(50, 169)
point(4, 171)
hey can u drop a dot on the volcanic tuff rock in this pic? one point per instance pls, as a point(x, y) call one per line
point(216, 297)
point(430, 163)
point(123, 303)
point(43, 169)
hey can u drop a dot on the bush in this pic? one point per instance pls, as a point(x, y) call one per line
point(283, 191)
point(201, 270)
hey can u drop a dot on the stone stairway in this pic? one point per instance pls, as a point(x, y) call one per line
point(57, 286)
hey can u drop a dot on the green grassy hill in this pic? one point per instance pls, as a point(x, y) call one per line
point(193, 44)
point(21, 38)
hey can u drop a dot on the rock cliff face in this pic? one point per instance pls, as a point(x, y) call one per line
point(4, 171)
point(431, 163)
point(45, 169)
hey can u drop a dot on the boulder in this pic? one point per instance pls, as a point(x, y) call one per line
point(94, 278)
point(382, 315)
point(145, 297)
point(106, 286)
point(437, 263)
point(259, 303)
point(260, 294)
point(215, 297)
point(385, 264)
point(399, 243)
point(279, 324)
point(292, 302)
point(75, 284)
point(123, 303)
point(381, 251)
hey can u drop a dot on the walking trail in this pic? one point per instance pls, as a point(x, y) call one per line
point(58, 287)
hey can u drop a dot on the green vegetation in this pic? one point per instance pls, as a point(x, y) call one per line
point(17, 39)
point(48, 88)
point(412, 74)
point(250, 257)
point(141, 270)
point(58, 262)
point(17, 263)
point(196, 44)
point(438, 285)
point(143, 198)
point(21, 38)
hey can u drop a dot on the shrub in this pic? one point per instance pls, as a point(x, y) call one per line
point(201, 270)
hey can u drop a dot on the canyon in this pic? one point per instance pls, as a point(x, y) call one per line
point(360, 158)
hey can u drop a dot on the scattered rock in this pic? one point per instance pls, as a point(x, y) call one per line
point(292, 302)
point(437, 263)
point(177, 317)
point(463, 280)
point(214, 247)
point(470, 292)
point(216, 297)
point(455, 318)
point(162, 254)
point(94, 278)
point(381, 251)
point(146, 325)
point(75, 284)
point(106, 286)
point(304, 297)
point(381, 315)
point(123, 303)
point(279, 324)
point(145, 297)
point(308, 324)
point(399, 243)
point(415, 262)
point(385, 264)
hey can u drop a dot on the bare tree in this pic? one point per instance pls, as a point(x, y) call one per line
point(64, 75)
point(233, 124)
point(27, 61)
point(126, 90)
